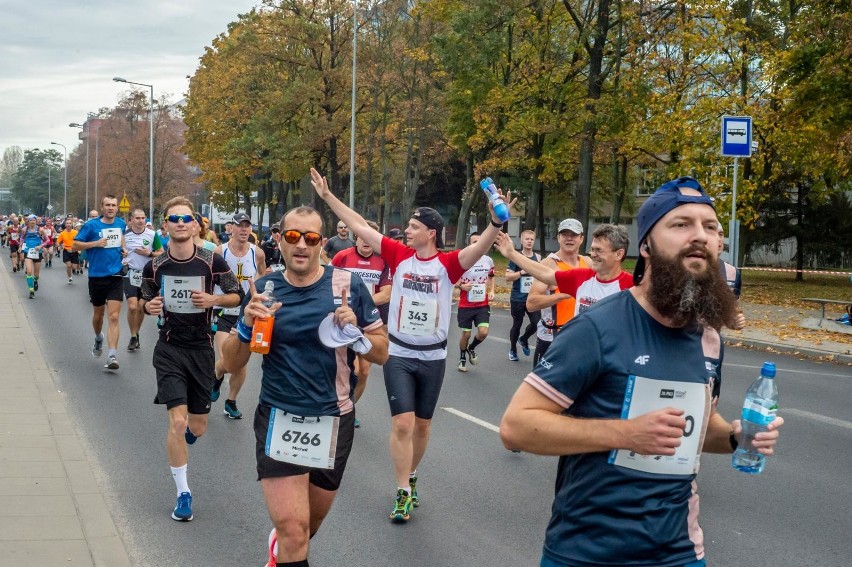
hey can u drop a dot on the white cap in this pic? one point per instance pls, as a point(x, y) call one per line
point(573, 225)
point(350, 336)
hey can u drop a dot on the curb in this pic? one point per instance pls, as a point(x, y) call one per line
point(811, 353)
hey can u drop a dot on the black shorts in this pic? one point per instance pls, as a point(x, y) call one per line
point(327, 479)
point(184, 376)
point(13, 247)
point(131, 290)
point(106, 288)
point(72, 256)
point(224, 323)
point(470, 317)
point(413, 385)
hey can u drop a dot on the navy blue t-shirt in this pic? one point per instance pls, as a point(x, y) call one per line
point(103, 261)
point(300, 374)
point(517, 295)
point(603, 513)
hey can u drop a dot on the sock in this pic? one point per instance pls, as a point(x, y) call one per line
point(179, 474)
point(302, 563)
point(36, 278)
point(413, 474)
point(407, 489)
point(474, 343)
point(30, 282)
point(99, 336)
point(463, 353)
point(111, 352)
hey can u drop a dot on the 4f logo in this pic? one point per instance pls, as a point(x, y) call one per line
point(642, 359)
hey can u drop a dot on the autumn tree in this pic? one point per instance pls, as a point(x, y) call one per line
point(39, 172)
point(12, 158)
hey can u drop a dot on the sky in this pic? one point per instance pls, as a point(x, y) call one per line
point(58, 58)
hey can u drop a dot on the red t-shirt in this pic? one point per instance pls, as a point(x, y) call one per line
point(587, 288)
point(373, 271)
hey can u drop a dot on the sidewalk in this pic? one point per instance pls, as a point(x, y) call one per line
point(52, 511)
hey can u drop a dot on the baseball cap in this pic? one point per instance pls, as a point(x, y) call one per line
point(573, 225)
point(395, 233)
point(433, 220)
point(666, 198)
point(275, 229)
point(32, 217)
point(241, 217)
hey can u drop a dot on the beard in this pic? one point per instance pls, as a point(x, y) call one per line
point(689, 298)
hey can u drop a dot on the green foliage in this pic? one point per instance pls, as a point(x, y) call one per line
point(30, 182)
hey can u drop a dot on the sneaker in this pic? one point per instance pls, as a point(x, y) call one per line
point(231, 410)
point(471, 356)
point(183, 508)
point(190, 438)
point(273, 549)
point(216, 391)
point(98, 348)
point(401, 507)
point(525, 346)
point(112, 363)
point(357, 423)
point(133, 344)
point(70, 281)
point(462, 365)
point(32, 294)
point(513, 356)
point(415, 500)
point(14, 268)
point(35, 285)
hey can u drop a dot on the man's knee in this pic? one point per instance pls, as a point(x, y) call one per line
point(403, 425)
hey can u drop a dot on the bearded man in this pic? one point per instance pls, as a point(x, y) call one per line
point(626, 395)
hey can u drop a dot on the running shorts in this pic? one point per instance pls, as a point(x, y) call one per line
point(470, 317)
point(413, 385)
point(184, 376)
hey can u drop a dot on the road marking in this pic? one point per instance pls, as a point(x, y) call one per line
point(782, 370)
point(472, 419)
point(817, 417)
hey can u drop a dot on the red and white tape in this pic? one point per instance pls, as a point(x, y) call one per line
point(791, 271)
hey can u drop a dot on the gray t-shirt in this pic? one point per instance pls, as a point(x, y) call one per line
point(335, 244)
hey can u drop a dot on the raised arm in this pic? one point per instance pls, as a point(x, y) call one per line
point(353, 220)
point(471, 254)
point(539, 271)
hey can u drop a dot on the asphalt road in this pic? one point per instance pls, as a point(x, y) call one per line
point(482, 505)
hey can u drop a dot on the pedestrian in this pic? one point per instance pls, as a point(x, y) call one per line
point(338, 242)
point(476, 291)
point(102, 239)
point(625, 489)
point(70, 258)
point(306, 385)
point(225, 235)
point(419, 322)
point(521, 284)
point(271, 248)
point(178, 287)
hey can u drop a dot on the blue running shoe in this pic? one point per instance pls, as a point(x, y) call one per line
point(357, 422)
point(190, 438)
point(183, 508)
point(98, 347)
point(231, 410)
point(525, 346)
point(513, 356)
point(217, 388)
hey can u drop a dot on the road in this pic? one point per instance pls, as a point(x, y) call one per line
point(482, 505)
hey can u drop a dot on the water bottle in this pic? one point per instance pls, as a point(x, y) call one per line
point(261, 332)
point(500, 207)
point(759, 408)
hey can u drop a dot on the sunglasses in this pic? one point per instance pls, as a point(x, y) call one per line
point(176, 218)
point(311, 238)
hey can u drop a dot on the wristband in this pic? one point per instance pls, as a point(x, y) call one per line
point(734, 442)
point(243, 332)
point(496, 224)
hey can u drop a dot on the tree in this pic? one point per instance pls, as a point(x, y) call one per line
point(9, 164)
point(31, 181)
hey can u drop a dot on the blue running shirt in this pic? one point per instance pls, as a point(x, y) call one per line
point(102, 261)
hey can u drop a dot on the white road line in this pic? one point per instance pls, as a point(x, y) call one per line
point(472, 419)
point(782, 370)
point(816, 417)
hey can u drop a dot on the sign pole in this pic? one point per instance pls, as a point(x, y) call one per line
point(733, 230)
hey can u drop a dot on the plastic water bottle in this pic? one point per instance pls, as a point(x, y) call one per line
point(500, 207)
point(261, 332)
point(759, 408)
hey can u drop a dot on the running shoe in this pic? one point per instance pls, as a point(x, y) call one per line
point(183, 508)
point(462, 365)
point(471, 356)
point(112, 363)
point(32, 294)
point(231, 410)
point(35, 285)
point(190, 438)
point(273, 549)
point(513, 356)
point(70, 281)
point(525, 346)
point(216, 391)
point(14, 268)
point(98, 348)
point(134, 343)
point(415, 500)
point(357, 423)
point(401, 507)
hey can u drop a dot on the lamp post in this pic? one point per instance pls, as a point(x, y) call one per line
point(352, 126)
point(151, 143)
point(65, 205)
point(85, 129)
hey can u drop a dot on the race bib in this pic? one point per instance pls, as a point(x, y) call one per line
point(476, 294)
point(135, 277)
point(418, 317)
point(177, 293)
point(113, 237)
point(231, 310)
point(33, 253)
point(526, 284)
point(305, 441)
point(645, 395)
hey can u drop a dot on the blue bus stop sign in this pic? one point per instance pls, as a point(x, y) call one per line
point(736, 136)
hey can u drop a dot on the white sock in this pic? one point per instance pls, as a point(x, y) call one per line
point(179, 474)
point(413, 473)
point(407, 489)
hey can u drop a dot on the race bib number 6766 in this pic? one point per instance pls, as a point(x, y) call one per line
point(302, 440)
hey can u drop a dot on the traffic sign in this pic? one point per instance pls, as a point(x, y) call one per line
point(736, 136)
point(124, 205)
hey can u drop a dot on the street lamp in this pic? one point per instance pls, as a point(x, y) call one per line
point(352, 126)
point(65, 205)
point(151, 143)
point(86, 132)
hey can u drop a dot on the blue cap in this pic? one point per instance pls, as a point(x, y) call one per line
point(665, 199)
point(768, 370)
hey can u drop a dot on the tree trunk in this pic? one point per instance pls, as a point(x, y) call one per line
point(463, 223)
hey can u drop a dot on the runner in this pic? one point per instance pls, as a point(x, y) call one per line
point(33, 241)
point(305, 383)
point(50, 233)
point(3, 236)
point(521, 284)
point(14, 234)
point(103, 241)
point(141, 244)
point(178, 288)
point(248, 262)
point(374, 272)
point(419, 321)
point(477, 291)
point(65, 240)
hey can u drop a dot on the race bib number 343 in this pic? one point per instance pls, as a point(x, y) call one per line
point(418, 317)
point(302, 440)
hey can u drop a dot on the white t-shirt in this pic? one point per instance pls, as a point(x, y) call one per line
point(132, 241)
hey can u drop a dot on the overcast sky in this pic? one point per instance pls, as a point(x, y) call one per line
point(58, 58)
